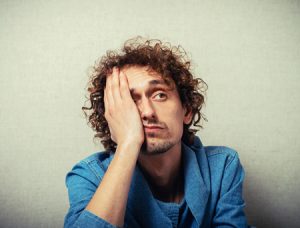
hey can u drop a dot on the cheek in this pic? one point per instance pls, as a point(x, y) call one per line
point(173, 118)
point(177, 129)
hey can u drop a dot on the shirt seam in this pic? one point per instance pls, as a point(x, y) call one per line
point(89, 165)
point(231, 156)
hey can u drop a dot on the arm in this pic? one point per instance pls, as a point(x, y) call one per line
point(109, 200)
point(230, 206)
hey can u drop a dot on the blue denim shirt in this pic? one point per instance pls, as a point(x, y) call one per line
point(213, 178)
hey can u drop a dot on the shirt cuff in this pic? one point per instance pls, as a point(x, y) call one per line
point(88, 219)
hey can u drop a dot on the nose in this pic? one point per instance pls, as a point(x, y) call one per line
point(146, 109)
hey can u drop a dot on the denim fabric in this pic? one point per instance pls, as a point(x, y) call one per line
point(174, 211)
point(213, 178)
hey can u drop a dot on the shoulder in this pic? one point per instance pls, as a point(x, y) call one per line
point(221, 154)
point(222, 159)
point(224, 166)
point(216, 161)
point(214, 158)
point(101, 159)
point(91, 168)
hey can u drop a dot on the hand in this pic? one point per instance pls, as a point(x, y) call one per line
point(121, 112)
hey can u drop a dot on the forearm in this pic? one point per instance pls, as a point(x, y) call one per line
point(110, 199)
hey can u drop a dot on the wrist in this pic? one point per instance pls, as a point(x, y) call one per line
point(129, 148)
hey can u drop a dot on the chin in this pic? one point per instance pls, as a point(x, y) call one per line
point(154, 147)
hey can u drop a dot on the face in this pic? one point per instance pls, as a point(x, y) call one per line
point(160, 108)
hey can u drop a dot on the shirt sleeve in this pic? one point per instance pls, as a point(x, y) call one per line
point(230, 206)
point(82, 183)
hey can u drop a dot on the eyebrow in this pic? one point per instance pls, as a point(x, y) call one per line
point(152, 83)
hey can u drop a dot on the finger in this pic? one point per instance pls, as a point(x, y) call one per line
point(124, 87)
point(107, 115)
point(105, 104)
point(108, 89)
point(115, 84)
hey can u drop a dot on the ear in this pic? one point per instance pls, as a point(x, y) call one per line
point(187, 116)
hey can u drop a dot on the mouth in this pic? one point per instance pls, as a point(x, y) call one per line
point(152, 128)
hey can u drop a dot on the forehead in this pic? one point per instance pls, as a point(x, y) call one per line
point(142, 77)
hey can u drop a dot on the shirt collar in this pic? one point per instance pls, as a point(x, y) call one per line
point(143, 205)
point(196, 191)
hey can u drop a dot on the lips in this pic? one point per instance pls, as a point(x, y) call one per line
point(152, 128)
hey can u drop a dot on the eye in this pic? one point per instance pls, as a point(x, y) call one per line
point(160, 96)
point(135, 100)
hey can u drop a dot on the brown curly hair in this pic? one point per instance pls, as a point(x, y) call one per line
point(169, 61)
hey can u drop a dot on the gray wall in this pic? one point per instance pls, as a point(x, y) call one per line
point(247, 51)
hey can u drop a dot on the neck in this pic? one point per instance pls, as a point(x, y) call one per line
point(164, 174)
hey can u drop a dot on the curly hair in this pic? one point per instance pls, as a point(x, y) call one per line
point(169, 61)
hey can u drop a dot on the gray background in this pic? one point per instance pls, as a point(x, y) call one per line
point(247, 51)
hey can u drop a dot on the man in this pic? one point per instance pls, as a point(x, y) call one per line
point(155, 172)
